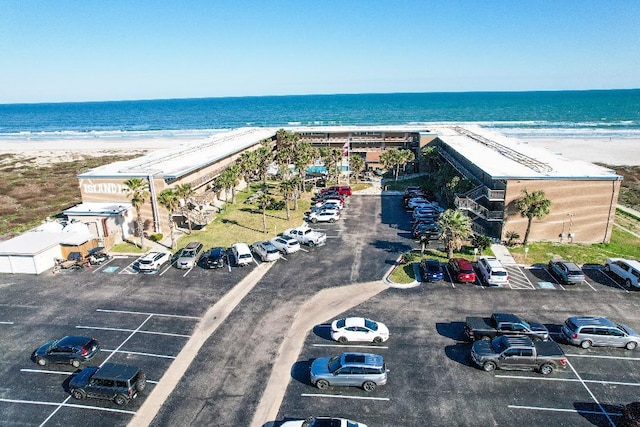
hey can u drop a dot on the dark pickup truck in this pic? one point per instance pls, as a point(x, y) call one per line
point(478, 328)
point(518, 354)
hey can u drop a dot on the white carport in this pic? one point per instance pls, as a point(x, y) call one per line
point(30, 253)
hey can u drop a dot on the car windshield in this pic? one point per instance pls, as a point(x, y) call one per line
point(188, 254)
point(370, 324)
point(572, 326)
point(334, 364)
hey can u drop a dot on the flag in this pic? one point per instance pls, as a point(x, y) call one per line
point(345, 149)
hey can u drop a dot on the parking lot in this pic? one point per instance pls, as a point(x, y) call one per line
point(145, 320)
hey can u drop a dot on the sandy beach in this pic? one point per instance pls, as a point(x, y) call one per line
point(616, 152)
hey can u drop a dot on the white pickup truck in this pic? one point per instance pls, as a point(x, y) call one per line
point(306, 235)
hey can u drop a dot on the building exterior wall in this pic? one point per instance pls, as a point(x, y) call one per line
point(584, 208)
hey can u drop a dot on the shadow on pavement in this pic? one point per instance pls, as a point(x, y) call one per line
point(592, 412)
point(453, 330)
point(300, 371)
point(460, 352)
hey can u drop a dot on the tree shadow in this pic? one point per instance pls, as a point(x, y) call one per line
point(234, 222)
point(592, 412)
point(453, 330)
point(300, 371)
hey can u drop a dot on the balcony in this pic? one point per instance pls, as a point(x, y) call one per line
point(465, 203)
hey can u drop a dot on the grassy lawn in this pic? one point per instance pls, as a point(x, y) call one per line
point(242, 221)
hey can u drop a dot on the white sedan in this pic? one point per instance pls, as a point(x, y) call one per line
point(286, 245)
point(322, 422)
point(358, 329)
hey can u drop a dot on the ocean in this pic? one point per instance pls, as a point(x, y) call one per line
point(556, 114)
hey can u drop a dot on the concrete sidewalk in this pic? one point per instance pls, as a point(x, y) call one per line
point(502, 254)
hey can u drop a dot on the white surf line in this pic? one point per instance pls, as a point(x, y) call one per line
point(99, 328)
point(44, 371)
point(594, 356)
point(127, 339)
point(341, 396)
point(568, 380)
point(351, 345)
point(6, 323)
point(145, 313)
point(576, 411)
point(138, 353)
point(70, 405)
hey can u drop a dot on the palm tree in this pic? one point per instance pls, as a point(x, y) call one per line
point(331, 162)
point(247, 164)
point(231, 177)
point(456, 228)
point(138, 191)
point(263, 200)
point(356, 163)
point(303, 155)
point(169, 200)
point(405, 157)
point(264, 158)
point(532, 205)
point(184, 192)
point(287, 188)
point(432, 158)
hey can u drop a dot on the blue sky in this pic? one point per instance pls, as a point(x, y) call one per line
point(89, 50)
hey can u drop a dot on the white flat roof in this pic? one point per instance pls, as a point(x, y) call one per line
point(507, 158)
point(31, 243)
point(98, 209)
point(175, 162)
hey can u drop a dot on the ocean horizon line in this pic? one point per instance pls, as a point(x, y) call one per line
point(242, 97)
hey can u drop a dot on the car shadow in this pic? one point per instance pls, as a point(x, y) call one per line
point(453, 330)
point(393, 247)
point(555, 332)
point(592, 412)
point(459, 352)
point(65, 383)
point(300, 371)
point(323, 331)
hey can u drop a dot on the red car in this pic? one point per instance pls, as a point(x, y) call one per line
point(461, 270)
point(343, 190)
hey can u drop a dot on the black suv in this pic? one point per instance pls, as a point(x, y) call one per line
point(215, 258)
point(112, 381)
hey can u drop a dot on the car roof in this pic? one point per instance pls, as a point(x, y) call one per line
point(216, 251)
point(462, 262)
point(150, 256)
point(354, 321)
point(517, 340)
point(73, 340)
point(591, 321)
point(361, 359)
point(116, 371)
point(192, 245)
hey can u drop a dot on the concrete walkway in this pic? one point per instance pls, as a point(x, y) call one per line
point(326, 304)
point(209, 323)
point(502, 254)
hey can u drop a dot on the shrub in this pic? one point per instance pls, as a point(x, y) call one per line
point(156, 237)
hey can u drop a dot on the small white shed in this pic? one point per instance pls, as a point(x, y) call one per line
point(30, 253)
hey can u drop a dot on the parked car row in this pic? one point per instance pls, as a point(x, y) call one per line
point(506, 341)
point(116, 382)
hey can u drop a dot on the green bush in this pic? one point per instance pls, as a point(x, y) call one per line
point(156, 237)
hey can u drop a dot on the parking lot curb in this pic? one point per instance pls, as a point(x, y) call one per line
point(392, 284)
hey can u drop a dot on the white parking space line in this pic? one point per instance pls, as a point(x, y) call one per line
point(127, 339)
point(615, 281)
point(585, 281)
point(595, 356)
point(575, 411)
point(146, 313)
point(137, 353)
point(568, 380)
point(55, 411)
point(165, 270)
point(44, 371)
point(100, 328)
point(70, 405)
point(188, 271)
point(101, 266)
point(517, 278)
point(339, 396)
point(590, 393)
point(351, 345)
point(6, 323)
point(282, 257)
point(304, 250)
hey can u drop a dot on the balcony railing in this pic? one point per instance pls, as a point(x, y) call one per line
point(468, 204)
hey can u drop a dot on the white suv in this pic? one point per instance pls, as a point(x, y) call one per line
point(627, 270)
point(492, 271)
point(153, 261)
